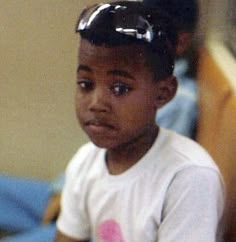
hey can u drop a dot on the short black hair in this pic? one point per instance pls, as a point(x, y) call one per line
point(184, 12)
point(160, 52)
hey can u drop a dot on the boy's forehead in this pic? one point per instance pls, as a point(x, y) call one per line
point(125, 53)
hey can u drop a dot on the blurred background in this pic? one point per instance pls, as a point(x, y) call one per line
point(38, 128)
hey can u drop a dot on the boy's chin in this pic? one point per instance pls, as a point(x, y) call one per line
point(103, 143)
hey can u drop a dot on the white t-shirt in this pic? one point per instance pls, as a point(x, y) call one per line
point(173, 194)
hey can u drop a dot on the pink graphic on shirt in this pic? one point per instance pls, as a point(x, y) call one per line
point(110, 231)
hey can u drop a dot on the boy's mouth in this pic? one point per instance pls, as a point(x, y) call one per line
point(96, 125)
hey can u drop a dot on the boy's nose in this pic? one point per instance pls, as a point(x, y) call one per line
point(99, 101)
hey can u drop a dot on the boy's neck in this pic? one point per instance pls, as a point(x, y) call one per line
point(120, 159)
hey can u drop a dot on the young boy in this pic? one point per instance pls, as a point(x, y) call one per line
point(135, 181)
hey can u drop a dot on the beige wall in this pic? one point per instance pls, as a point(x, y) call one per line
point(38, 128)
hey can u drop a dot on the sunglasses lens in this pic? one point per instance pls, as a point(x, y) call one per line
point(134, 25)
point(125, 21)
point(89, 15)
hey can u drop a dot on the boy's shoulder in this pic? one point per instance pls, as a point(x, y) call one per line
point(180, 151)
point(175, 155)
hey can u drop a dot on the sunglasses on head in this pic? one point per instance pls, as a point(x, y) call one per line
point(128, 18)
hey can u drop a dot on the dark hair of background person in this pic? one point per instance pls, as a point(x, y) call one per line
point(185, 13)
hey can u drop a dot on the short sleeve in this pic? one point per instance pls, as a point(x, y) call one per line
point(193, 207)
point(73, 220)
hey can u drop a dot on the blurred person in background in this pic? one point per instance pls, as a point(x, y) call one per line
point(181, 113)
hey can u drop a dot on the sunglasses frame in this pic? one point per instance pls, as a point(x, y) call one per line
point(126, 21)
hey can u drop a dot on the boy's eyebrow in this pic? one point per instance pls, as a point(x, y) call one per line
point(84, 68)
point(110, 72)
point(120, 73)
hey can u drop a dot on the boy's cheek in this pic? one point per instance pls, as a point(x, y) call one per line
point(80, 102)
point(79, 114)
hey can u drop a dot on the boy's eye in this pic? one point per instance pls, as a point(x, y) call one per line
point(120, 88)
point(85, 85)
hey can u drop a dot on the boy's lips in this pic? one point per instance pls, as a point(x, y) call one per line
point(98, 125)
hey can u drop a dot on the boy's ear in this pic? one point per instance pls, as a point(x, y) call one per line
point(166, 91)
point(184, 41)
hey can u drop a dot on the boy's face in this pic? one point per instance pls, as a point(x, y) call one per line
point(116, 97)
